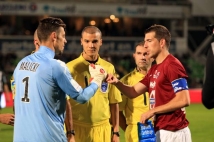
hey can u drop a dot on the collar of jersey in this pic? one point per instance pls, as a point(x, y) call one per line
point(47, 51)
point(138, 73)
point(86, 62)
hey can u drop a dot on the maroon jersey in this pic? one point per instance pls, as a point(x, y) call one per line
point(158, 81)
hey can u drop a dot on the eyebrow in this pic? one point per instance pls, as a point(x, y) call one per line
point(93, 41)
point(148, 39)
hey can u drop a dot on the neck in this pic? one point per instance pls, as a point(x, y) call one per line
point(161, 56)
point(91, 58)
point(48, 44)
point(140, 70)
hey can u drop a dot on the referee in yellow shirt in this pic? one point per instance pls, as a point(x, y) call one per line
point(131, 109)
point(91, 120)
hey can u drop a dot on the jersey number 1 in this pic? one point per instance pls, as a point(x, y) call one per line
point(25, 98)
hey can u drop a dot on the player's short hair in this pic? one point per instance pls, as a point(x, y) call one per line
point(47, 26)
point(139, 44)
point(92, 30)
point(161, 32)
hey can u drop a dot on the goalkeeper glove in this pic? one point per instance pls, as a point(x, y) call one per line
point(98, 74)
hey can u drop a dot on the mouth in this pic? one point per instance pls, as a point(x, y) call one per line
point(142, 63)
point(91, 50)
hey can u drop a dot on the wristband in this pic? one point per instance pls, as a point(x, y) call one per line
point(116, 133)
point(71, 132)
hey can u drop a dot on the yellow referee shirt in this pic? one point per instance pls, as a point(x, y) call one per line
point(133, 108)
point(96, 111)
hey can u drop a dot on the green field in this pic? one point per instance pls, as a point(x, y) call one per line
point(201, 125)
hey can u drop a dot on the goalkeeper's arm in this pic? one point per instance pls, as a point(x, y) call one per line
point(65, 81)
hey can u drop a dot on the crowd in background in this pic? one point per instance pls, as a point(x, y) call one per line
point(126, 27)
point(26, 25)
point(123, 65)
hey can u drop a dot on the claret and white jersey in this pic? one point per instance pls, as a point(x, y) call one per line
point(159, 83)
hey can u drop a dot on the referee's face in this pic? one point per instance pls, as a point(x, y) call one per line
point(91, 45)
point(141, 57)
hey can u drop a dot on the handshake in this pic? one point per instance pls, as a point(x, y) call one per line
point(98, 74)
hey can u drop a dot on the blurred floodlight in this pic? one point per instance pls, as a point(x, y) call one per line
point(92, 22)
point(116, 20)
point(112, 17)
point(107, 20)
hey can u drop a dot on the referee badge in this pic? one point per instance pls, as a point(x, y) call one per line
point(104, 87)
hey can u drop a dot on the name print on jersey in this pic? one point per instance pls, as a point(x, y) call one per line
point(152, 93)
point(29, 66)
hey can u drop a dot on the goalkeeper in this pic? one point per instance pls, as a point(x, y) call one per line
point(41, 87)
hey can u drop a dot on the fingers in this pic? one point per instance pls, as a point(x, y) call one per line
point(102, 70)
point(98, 74)
point(92, 65)
point(96, 70)
point(143, 119)
point(12, 120)
point(11, 123)
point(110, 77)
point(7, 119)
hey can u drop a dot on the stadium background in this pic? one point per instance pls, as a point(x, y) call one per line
point(122, 23)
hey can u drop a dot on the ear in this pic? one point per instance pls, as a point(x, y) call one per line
point(101, 42)
point(133, 55)
point(53, 36)
point(81, 41)
point(162, 42)
point(35, 41)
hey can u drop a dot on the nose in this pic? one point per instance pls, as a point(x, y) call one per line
point(65, 41)
point(145, 45)
point(92, 44)
point(143, 57)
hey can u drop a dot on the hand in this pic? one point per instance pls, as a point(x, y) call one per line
point(112, 79)
point(146, 116)
point(7, 119)
point(98, 74)
point(71, 138)
point(115, 138)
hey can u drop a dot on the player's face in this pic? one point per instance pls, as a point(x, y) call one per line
point(91, 44)
point(60, 41)
point(152, 45)
point(141, 57)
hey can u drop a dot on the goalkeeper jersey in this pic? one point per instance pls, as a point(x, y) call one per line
point(133, 108)
point(40, 100)
point(96, 110)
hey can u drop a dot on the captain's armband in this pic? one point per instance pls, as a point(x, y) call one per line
point(179, 84)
